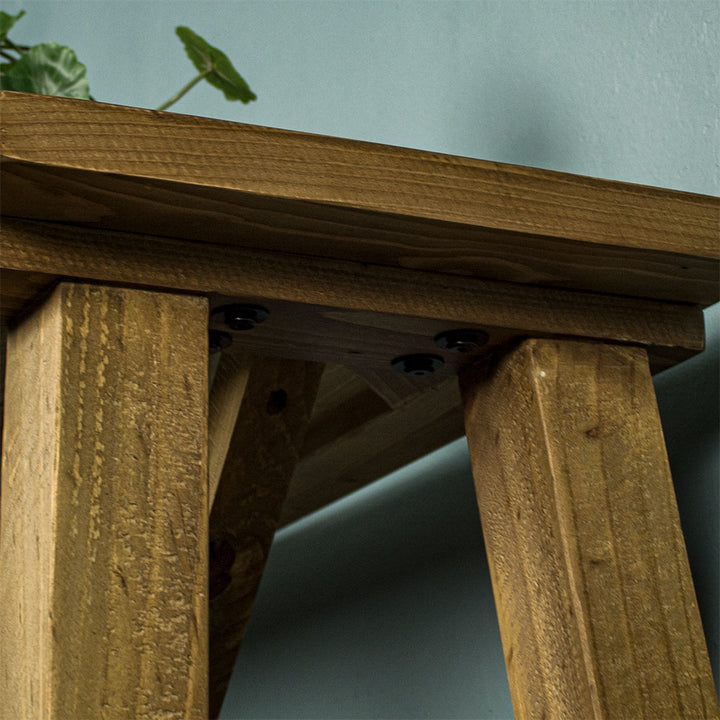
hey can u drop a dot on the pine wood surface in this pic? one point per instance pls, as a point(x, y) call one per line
point(346, 312)
point(358, 316)
point(343, 403)
point(18, 290)
point(362, 252)
point(260, 456)
point(363, 428)
point(3, 356)
point(374, 319)
point(226, 396)
point(103, 540)
point(595, 600)
point(212, 181)
point(381, 442)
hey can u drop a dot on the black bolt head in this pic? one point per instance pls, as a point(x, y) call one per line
point(461, 341)
point(418, 365)
point(237, 322)
point(240, 316)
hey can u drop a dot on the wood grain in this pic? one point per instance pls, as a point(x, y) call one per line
point(103, 542)
point(346, 312)
point(17, 291)
point(353, 437)
point(226, 397)
point(259, 462)
point(381, 443)
point(206, 180)
point(3, 356)
point(344, 403)
point(594, 595)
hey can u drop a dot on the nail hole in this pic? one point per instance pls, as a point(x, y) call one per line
point(276, 402)
point(222, 558)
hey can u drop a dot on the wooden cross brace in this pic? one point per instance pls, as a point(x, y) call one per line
point(138, 506)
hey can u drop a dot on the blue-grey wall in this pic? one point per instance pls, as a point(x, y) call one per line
point(380, 606)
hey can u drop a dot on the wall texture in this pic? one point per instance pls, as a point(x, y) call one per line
point(380, 606)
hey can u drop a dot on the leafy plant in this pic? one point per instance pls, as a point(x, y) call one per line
point(47, 69)
point(53, 69)
point(213, 66)
point(7, 21)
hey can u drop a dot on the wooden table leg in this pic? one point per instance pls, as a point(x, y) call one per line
point(103, 546)
point(595, 600)
point(3, 362)
point(260, 409)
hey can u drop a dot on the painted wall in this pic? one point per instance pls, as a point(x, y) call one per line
point(380, 606)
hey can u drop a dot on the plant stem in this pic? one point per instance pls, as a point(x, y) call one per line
point(10, 45)
point(182, 91)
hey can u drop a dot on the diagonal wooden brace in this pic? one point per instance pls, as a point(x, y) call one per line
point(260, 409)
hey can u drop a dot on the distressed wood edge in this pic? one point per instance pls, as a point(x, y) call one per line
point(502, 183)
point(482, 384)
point(93, 346)
point(190, 267)
point(240, 219)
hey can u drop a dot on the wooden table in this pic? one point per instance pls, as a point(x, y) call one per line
point(127, 233)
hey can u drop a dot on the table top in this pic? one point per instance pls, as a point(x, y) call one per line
point(203, 180)
point(362, 251)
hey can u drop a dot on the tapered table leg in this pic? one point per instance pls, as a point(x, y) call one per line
point(103, 545)
point(595, 601)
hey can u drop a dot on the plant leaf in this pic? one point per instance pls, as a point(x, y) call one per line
point(215, 66)
point(7, 21)
point(48, 69)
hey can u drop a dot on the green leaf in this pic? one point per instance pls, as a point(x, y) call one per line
point(7, 21)
point(47, 69)
point(215, 66)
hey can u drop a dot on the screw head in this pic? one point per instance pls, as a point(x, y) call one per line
point(418, 365)
point(462, 341)
point(218, 340)
point(239, 316)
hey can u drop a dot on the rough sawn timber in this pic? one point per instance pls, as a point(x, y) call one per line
point(362, 252)
point(103, 539)
point(260, 454)
point(345, 312)
point(595, 601)
point(212, 181)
